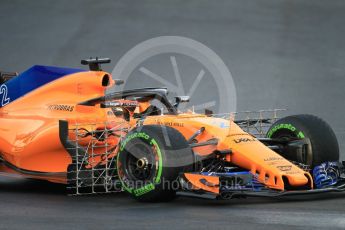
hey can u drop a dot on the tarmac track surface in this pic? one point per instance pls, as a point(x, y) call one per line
point(28, 204)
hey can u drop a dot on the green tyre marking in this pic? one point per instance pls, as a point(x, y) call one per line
point(143, 190)
point(290, 127)
point(159, 174)
point(132, 136)
point(149, 187)
point(300, 134)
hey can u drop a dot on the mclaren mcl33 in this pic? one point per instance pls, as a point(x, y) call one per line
point(58, 124)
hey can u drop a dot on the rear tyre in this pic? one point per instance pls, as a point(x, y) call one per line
point(323, 142)
point(150, 160)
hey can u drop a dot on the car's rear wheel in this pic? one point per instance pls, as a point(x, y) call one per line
point(150, 160)
point(323, 144)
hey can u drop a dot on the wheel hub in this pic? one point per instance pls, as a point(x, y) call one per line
point(142, 163)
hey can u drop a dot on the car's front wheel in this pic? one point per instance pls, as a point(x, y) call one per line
point(323, 145)
point(150, 160)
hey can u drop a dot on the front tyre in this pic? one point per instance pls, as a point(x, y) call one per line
point(323, 142)
point(149, 162)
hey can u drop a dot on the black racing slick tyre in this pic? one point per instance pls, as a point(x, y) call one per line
point(323, 144)
point(149, 162)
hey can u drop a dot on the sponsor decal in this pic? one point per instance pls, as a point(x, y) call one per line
point(284, 168)
point(122, 103)
point(134, 135)
point(220, 124)
point(291, 173)
point(141, 191)
point(66, 108)
point(159, 164)
point(290, 127)
point(174, 124)
point(224, 125)
point(245, 140)
point(273, 163)
point(273, 159)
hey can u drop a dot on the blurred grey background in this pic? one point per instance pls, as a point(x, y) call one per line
point(282, 53)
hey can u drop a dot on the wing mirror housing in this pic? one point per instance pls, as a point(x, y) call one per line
point(181, 99)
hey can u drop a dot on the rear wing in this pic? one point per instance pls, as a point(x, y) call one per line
point(5, 76)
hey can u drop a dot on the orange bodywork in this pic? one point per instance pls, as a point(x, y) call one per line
point(29, 130)
point(211, 183)
point(247, 152)
point(29, 133)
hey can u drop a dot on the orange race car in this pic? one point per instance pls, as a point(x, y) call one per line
point(57, 124)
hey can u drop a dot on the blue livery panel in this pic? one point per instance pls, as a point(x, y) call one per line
point(30, 80)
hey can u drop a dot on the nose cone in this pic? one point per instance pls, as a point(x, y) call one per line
point(298, 180)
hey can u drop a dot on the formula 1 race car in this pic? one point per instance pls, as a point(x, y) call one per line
point(57, 124)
